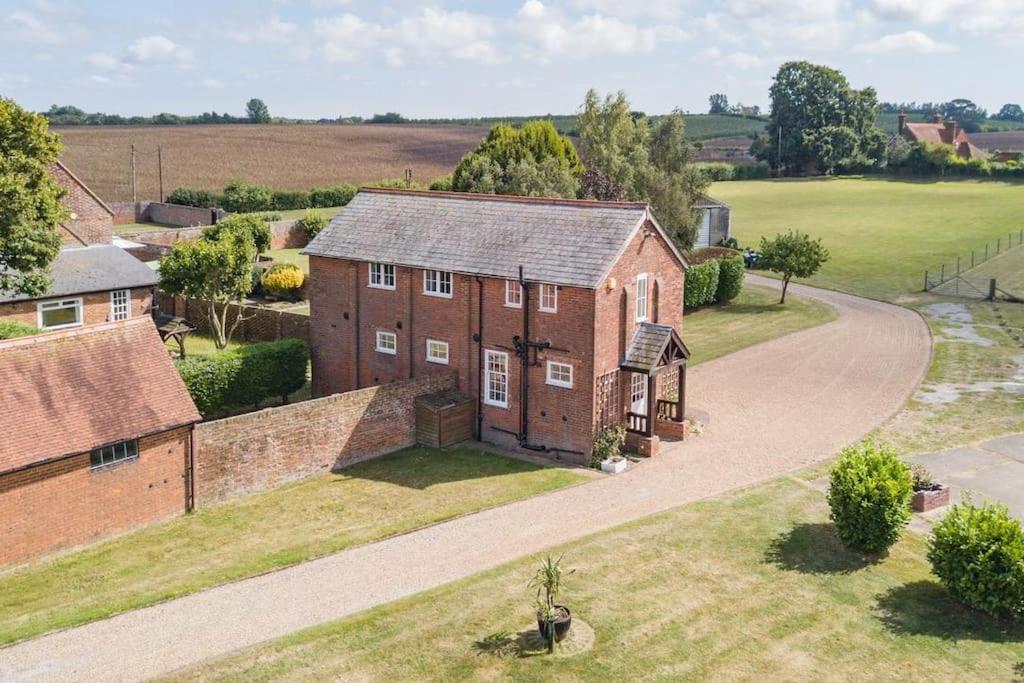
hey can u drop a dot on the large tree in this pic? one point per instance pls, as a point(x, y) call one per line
point(1010, 112)
point(966, 113)
point(810, 104)
point(639, 161)
point(257, 111)
point(794, 254)
point(30, 200)
point(718, 104)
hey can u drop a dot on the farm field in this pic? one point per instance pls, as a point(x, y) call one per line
point(1003, 140)
point(262, 532)
point(749, 586)
point(295, 157)
point(882, 232)
point(698, 126)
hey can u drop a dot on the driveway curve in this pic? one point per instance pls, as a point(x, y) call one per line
point(772, 408)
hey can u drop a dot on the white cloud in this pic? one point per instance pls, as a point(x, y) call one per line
point(13, 80)
point(654, 9)
point(736, 60)
point(274, 30)
point(1001, 19)
point(346, 38)
point(594, 34)
point(814, 25)
point(27, 26)
point(157, 48)
point(532, 9)
point(906, 42)
point(211, 83)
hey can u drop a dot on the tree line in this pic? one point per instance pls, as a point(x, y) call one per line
point(256, 111)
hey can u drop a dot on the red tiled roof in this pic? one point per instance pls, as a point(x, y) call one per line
point(68, 392)
point(929, 132)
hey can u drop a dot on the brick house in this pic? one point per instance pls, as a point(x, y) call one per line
point(939, 132)
point(93, 281)
point(101, 441)
point(560, 316)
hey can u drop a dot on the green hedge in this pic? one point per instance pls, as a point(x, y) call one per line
point(243, 197)
point(701, 284)
point(245, 376)
point(188, 196)
point(978, 554)
point(869, 496)
point(719, 171)
point(10, 329)
point(312, 223)
point(338, 195)
point(287, 200)
point(730, 278)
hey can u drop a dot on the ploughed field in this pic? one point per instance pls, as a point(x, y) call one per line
point(295, 157)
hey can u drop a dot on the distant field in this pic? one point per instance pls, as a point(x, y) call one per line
point(698, 126)
point(1004, 141)
point(286, 156)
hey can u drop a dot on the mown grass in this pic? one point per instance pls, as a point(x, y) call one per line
point(751, 586)
point(289, 256)
point(882, 233)
point(255, 534)
point(753, 317)
point(1007, 269)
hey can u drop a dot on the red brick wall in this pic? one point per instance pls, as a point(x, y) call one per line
point(65, 503)
point(259, 324)
point(262, 450)
point(176, 214)
point(283, 234)
point(96, 307)
point(92, 223)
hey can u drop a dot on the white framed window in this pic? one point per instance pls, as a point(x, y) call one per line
point(387, 342)
point(513, 294)
point(559, 374)
point(641, 297)
point(114, 453)
point(54, 315)
point(382, 275)
point(638, 393)
point(496, 378)
point(548, 302)
point(437, 283)
point(120, 304)
point(437, 351)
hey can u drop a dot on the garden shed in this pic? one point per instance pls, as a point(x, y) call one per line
point(444, 418)
point(715, 222)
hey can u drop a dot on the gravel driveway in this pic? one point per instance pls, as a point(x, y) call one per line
point(770, 409)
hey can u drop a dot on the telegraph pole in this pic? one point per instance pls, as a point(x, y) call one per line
point(134, 193)
point(160, 170)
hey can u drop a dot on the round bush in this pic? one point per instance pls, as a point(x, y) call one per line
point(312, 223)
point(869, 497)
point(730, 278)
point(978, 554)
point(11, 329)
point(283, 280)
point(701, 284)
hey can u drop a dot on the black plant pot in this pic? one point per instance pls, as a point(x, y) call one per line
point(562, 624)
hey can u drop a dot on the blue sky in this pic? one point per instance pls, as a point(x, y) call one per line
point(325, 58)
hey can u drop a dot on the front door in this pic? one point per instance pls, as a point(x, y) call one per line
point(638, 393)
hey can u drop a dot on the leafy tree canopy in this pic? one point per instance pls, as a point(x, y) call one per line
point(257, 110)
point(810, 103)
point(254, 226)
point(719, 104)
point(1010, 112)
point(30, 200)
point(966, 113)
point(792, 254)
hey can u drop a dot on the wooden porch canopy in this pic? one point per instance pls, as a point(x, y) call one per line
point(653, 350)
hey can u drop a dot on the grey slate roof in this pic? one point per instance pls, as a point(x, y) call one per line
point(97, 268)
point(571, 243)
point(648, 343)
point(707, 202)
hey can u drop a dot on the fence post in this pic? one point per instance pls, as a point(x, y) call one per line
point(992, 289)
point(999, 245)
point(972, 258)
point(942, 274)
point(986, 251)
point(957, 265)
point(926, 280)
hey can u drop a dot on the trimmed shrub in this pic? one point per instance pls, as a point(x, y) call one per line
point(253, 224)
point(188, 196)
point(11, 329)
point(243, 197)
point(283, 280)
point(756, 171)
point(245, 376)
point(444, 183)
point(338, 195)
point(312, 223)
point(607, 444)
point(287, 200)
point(701, 284)
point(715, 171)
point(978, 554)
point(730, 278)
point(869, 495)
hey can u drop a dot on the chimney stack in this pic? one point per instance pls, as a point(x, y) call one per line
point(901, 121)
point(936, 117)
point(951, 131)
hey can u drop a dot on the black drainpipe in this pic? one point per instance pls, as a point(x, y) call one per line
point(524, 354)
point(412, 340)
point(355, 284)
point(190, 490)
point(479, 339)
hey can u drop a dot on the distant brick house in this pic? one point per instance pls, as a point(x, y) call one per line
point(93, 281)
point(561, 316)
point(939, 132)
point(99, 440)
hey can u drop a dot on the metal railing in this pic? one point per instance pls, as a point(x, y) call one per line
point(964, 263)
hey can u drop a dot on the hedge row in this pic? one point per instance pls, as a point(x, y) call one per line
point(715, 276)
point(243, 197)
point(245, 376)
point(11, 329)
point(716, 171)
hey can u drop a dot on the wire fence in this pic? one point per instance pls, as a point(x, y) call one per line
point(952, 272)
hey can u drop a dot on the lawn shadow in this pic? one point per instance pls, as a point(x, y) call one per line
point(502, 644)
point(420, 467)
point(926, 608)
point(815, 549)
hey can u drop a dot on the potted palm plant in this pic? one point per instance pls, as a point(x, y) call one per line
point(553, 619)
point(928, 494)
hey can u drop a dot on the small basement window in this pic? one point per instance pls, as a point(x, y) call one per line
point(114, 453)
point(382, 275)
point(54, 315)
point(387, 342)
point(437, 352)
point(560, 374)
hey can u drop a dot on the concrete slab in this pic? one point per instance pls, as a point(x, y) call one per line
point(957, 460)
point(1011, 446)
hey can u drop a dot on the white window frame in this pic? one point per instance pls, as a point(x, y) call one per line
point(121, 309)
point(114, 454)
point(381, 347)
point(57, 304)
point(555, 374)
point(552, 291)
point(641, 297)
point(435, 282)
point(638, 393)
point(513, 294)
point(434, 345)
point(382, 275)
point(500, 376)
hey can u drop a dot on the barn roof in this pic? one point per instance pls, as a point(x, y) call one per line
point(561, 241)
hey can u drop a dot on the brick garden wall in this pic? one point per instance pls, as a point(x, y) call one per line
point(283, 234)
point(262, 450)
point(261, 324)
point(175, 214)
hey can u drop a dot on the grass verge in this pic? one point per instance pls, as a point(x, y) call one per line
point(753, 585)
point(255, 534)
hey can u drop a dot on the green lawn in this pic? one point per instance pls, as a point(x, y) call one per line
point(292, 214)
point(751, 586)
point(289, 256)
point(1007, 269)
point(255, 534)
point(199, 345)
point(753, 317)
point(883, 233)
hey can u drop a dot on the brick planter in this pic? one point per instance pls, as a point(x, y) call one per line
point(924, 501)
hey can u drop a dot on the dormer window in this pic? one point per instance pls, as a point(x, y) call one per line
point(382, 276)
